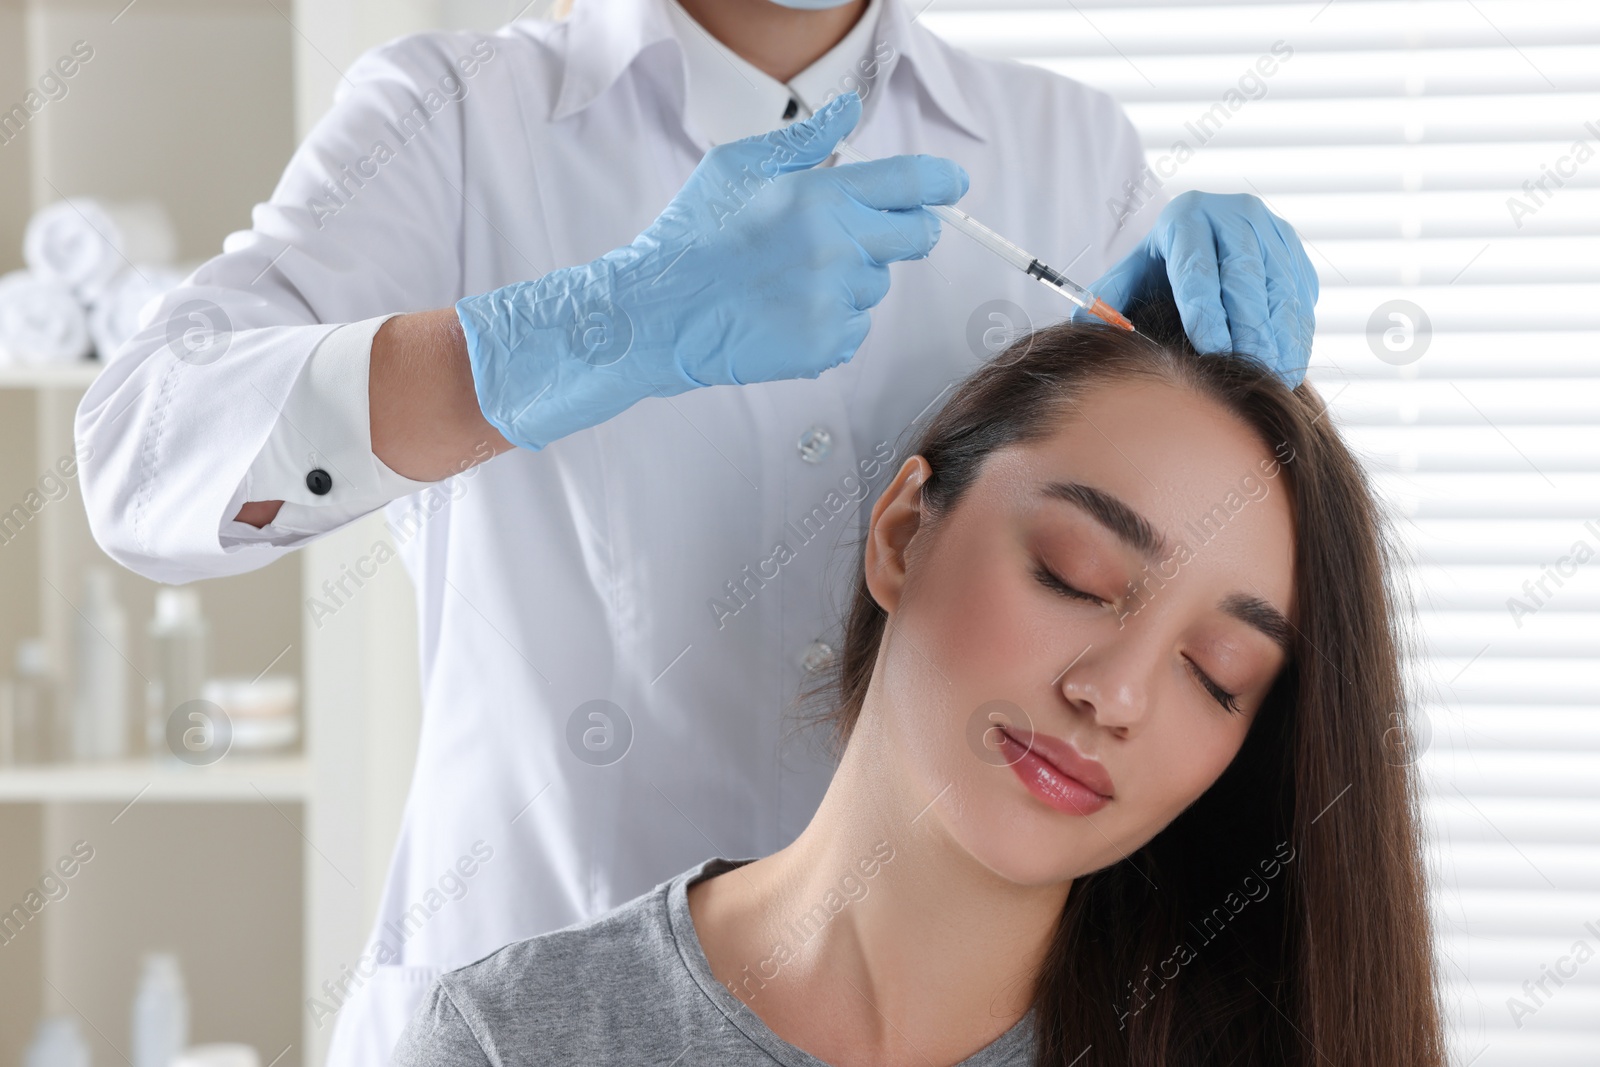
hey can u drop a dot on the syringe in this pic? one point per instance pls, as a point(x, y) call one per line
point(1013, 255)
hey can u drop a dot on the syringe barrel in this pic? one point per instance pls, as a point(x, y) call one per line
point(960, 220)
point(957, 219)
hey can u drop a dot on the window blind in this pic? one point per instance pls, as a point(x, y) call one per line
point(1441, 160)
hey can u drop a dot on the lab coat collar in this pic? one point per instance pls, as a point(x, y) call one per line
point(607, 36)
point(728, 98)
point(844, 66)
point(604, 38)
point(930, 57)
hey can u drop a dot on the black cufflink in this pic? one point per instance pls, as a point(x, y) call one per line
point(319, 481)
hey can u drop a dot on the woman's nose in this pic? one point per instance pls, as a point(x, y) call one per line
point(1112, 678)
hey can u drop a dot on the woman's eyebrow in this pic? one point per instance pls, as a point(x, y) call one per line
point(1134, 530)
point(1262, 616)
point(1130, 527)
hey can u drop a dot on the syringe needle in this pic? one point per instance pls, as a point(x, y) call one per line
point(1081, 296)
point(1023, 261)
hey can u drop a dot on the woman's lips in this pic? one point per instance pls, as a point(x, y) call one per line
point(1049, 782)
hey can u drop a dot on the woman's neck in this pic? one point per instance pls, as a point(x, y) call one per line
point(872, 938)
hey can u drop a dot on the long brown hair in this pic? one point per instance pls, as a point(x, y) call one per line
point(1291, 923)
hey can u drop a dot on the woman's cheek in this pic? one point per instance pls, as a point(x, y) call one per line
point(980, 612)
point(1188, 759)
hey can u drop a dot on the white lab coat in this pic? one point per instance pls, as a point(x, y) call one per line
point(592, 570)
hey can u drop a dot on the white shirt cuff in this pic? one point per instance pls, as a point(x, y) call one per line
point(324, 426)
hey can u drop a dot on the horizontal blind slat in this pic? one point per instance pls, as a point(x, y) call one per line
point(1572, 820)
point(1495, 586)
point(1517, 728)
point(1212, 29)
point(1349, 73)
point(1511, 913)
point(1534, 634)
point(1263, 120)
point(1482, 679)
point(1344, 357)
point(1436, 448)
point(1531, 542)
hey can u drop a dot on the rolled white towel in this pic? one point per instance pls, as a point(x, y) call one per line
point(114, 317)
point(83, 242)
point(41, 320)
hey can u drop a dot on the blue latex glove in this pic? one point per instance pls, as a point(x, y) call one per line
point(1239, 276)
point(761, 268)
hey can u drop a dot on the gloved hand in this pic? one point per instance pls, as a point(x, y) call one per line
point(761, 268)
point(1239, 276)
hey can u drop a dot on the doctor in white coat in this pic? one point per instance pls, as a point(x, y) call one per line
point(517, 245)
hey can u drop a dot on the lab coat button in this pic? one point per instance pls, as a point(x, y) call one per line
point(818, 655)
point(815, 444)
point(319, 481)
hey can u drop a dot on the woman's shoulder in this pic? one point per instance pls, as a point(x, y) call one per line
point(556, 998)
point(612, 954)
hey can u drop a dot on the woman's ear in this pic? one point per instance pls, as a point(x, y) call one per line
point(896, 517)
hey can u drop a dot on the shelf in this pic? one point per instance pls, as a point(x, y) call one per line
point(234, 779)
point(49, 375)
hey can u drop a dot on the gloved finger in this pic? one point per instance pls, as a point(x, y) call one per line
point(802, 144)
point(1306, 287)
point(1292, 320)
point(1242, 272)
point(1293, 360)
point(888, 236)
point(1196, 279)
point(851, 336)
point(1118, 285)
point(897, 183)
point(868, 286)
point(855, 333)
point(1305, 272)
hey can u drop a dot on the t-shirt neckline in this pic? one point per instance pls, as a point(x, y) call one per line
point(681, 924)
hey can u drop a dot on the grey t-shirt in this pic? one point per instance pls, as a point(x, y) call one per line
point(630, 987)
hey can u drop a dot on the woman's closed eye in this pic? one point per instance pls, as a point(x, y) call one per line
point(1228, 700)
point(1050, 580)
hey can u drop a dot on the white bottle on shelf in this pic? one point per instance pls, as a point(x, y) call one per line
point(178, 650)
point(57, 1043)
point(100, 671)
point(28, 719)
point(160, 1012)
point(221, 1054)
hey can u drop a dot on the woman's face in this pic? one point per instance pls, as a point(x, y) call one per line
point(1094, 591)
